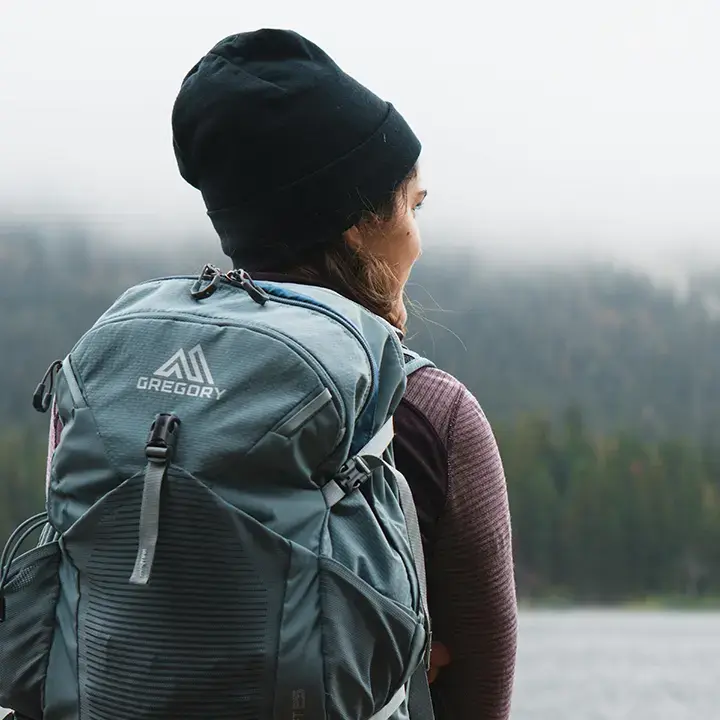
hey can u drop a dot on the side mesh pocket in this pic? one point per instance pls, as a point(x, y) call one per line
point(371, 644)
point(28, 598)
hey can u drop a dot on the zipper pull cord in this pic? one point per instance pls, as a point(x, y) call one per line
point(42, 397)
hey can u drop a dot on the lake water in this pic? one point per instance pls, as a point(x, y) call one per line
point(616, 665)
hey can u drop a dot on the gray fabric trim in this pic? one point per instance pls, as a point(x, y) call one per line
point(72, 383)
point(47, 535)
point(149, 522)
point(379, 442)
point(395, 702)
point(305, 413)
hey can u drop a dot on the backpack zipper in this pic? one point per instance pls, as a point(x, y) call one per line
point(211, 276)
point(241, 279)
point(207, 282)
point(209, 279)
point(72, 383)
point(317, 306)
point(261, 292)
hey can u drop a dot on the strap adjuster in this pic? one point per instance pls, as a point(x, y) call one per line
point(353, 474)
point(427, 655)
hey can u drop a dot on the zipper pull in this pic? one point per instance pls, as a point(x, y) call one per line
point(42, 397)
point(242, 279)
point(207, 282)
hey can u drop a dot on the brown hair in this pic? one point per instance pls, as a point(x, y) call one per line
point(357, 273)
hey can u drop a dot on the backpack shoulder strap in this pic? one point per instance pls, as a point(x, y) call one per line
point(414, 361)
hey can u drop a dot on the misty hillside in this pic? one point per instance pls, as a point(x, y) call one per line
point(602, 388)
point(631, 354)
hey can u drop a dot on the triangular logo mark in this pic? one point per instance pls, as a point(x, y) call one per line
point(192, 367)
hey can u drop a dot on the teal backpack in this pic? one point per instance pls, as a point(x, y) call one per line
point(226, 535)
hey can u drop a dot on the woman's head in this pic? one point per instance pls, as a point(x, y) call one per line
point(300, 166)
point(371, 261)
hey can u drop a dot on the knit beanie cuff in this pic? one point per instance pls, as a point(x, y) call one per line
point(285, 224)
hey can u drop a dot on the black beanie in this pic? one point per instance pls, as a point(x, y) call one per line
point(287, 150)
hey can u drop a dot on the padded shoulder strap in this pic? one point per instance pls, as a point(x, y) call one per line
point(415, 361)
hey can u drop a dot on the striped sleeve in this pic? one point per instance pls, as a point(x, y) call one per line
point(471, 574)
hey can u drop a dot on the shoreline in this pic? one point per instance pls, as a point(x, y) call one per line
point(650, 604)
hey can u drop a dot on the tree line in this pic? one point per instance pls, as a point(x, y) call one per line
point(595, 519)
point(602, 387)
point(612, 518)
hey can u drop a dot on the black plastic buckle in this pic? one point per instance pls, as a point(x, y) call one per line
point(353, 474)
point(162, 440)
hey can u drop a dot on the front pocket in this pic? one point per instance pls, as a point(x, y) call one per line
point(371, 644)
point(199, 640)
point(30, 595)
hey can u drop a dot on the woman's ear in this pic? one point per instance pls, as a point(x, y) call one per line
point(353, 237)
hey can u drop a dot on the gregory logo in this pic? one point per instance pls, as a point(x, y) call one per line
point(183, 374)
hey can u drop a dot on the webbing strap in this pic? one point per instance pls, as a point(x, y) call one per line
point(373, 450)
point(333, 493)
point(395, 702)
point(149, 522)
point(420, 705)
point(380, 441)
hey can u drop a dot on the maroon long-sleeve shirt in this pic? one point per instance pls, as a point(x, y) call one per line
point(445, 447)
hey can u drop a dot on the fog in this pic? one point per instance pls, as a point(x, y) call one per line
point(551, 130)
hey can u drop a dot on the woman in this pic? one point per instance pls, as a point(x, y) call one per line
point(308, 176)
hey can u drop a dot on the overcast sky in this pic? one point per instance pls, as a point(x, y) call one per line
point(553, 124)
